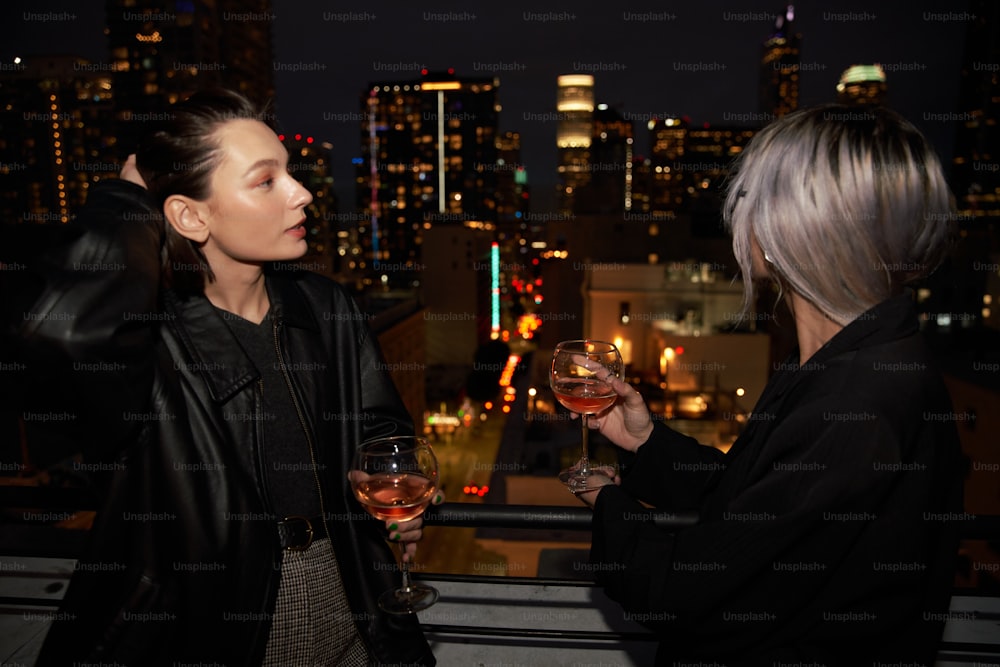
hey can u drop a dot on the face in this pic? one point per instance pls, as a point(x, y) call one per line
point(255, 213)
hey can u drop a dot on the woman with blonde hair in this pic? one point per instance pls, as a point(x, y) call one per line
point(823, 535)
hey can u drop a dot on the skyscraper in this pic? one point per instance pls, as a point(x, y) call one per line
point(968, 290)
point(708, 156)
point(779, 66)
point(575, 108)
point(309, 162)
point(610, 165)
point(429, 156)
point(163, 50)
point(862, 84)
point(68, 122)
point(55, 136)
point(668, 137)
point(512, 191)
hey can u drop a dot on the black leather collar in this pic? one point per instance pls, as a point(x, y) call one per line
point(216, 354)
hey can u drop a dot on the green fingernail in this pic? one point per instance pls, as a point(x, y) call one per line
point(393, 526)
point(394, 537)
point(438, 498)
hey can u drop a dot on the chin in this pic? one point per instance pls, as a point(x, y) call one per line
point(291, 255)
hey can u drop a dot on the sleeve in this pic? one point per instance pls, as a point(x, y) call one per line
point(384, 412)
point(672, 470)
point(697, 584)
point(85, 340)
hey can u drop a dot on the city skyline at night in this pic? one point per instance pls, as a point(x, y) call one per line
point(486, 184)
point(699, 60)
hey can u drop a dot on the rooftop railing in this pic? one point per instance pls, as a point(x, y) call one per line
point(480, 619)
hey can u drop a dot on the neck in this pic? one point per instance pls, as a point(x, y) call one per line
point(812, 328)
point(239, 288)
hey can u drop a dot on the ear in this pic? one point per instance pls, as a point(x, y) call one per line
point(187, 216)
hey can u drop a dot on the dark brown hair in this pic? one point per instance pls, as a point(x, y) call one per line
point(176, 156)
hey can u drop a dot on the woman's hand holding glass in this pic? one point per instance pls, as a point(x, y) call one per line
point(627, 423)
point(395, 479)
point(408, 533)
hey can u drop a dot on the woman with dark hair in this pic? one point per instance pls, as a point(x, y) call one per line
point(825, 532)
point(228, 532)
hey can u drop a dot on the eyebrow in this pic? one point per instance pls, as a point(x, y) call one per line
point(266, 162)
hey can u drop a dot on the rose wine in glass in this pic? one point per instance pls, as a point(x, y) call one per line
point(395, 496)
point(395, 479)
point(579, 379)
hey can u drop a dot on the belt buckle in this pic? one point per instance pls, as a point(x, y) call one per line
point(309, 532)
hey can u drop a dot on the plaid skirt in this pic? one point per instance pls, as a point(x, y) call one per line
point(313, 625)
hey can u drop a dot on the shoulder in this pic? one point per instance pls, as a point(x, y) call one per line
point(326, 300)
point(895, 377)
point(874, 398)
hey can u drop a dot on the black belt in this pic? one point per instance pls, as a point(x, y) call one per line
point(298, 532)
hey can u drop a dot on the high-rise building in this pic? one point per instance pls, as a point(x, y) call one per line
point(862, 85)
point(975, 174)
point(309, 162)
point(610, 165)
point(457, 261)
point(512, 191)
point(574, 133)
point(668, 137)
point(162, 50)
point(779, 67)
point(67, 121)
point(966, 292)
point(429, 156)
point(708, 157)
point(55, 135)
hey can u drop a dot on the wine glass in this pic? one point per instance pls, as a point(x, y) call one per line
point(575, 383)
point(395, 478)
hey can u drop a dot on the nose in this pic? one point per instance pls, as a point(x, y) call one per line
point(300, 196)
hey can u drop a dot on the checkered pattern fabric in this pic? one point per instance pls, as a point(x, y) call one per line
point(313, 625)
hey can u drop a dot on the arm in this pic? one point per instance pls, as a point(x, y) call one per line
point(669, 470)
point(86, 339)
point(388, 416)
point(383, 408)
point(686, 582)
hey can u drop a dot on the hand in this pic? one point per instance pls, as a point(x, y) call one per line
point(410, 531)
point(131, 173)
point(599, 482)
point(627, 422)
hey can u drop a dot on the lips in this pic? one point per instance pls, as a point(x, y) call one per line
point(298, 230)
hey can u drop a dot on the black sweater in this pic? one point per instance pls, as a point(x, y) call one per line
point(827, 531)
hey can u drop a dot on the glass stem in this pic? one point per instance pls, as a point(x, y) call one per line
point(585, 459)
point(404, 568)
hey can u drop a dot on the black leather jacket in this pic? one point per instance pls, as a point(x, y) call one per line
point(184, 557)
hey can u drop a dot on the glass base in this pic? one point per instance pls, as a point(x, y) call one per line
point(578, 481)
point(408, 600)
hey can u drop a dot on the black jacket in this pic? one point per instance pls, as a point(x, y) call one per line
point(826, 532)
point(184, 557)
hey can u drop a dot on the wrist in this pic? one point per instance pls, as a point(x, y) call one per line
point(643, 437)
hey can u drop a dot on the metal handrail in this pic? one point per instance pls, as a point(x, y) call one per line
point(462, 515)
point(542, 517)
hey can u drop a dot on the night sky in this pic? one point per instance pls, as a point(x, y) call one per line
point(697, 59)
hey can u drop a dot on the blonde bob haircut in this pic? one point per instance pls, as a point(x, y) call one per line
point(846, 205)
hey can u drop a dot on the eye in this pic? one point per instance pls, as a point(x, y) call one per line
point(266, 183)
